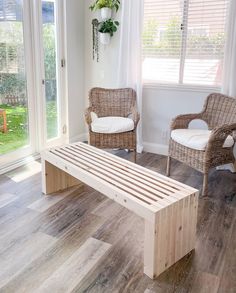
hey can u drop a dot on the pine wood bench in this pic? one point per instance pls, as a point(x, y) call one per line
point(168, 207)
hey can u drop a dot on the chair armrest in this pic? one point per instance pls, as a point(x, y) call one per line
point(135, 116)
point(219, 135)
point(182, 121)
point(87, 115)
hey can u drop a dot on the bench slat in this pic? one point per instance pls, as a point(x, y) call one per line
point(152, 192)
point(114, 182)
point(166, 191)
point(141, 170)
point(110, 177)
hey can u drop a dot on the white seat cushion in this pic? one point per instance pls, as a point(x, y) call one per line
point(112, 125)
point(196, 139)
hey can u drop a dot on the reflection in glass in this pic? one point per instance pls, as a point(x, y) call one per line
point(13, 93)
point(49, 46)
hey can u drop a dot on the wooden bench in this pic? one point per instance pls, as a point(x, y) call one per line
point(168, 207)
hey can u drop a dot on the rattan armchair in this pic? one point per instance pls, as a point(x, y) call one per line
point(219, 112)
point(113, 102)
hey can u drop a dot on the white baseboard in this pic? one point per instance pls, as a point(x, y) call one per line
point(80, 137)
point(139, 149)
point(155, 148)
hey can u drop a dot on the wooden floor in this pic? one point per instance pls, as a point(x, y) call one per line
point(79, 241)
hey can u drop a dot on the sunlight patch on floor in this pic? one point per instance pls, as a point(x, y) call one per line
point(25, 172)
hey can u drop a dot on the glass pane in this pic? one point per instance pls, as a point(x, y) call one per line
point(50, 64)
point(205, 42)
point(162, 40)
point(13, 94)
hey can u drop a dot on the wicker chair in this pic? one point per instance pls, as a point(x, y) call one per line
point(117, 103)
point(219, 112)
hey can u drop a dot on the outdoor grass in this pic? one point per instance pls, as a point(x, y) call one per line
point(17, 124)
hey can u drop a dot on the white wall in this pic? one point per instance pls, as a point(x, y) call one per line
point(160, 106)
point(74, 31)
point(102, 73)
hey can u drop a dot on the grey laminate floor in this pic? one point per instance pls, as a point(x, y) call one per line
point(79, 241)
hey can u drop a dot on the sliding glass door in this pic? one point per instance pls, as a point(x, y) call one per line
point(49, 38)
point(31, 77)
point(13, 79)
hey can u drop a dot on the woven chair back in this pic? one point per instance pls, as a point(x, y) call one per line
point(112, 102)
point(219, 110)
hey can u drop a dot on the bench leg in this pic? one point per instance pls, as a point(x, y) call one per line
point(150, 249)
point(171, 237)
point(54, 179)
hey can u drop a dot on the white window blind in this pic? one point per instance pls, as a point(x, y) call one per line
point(10, 10)
point(183, 41)
point(11, 40)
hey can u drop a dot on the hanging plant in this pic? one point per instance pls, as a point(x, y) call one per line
point(95, 24)
point(109, 26)
point(99, 4)
point(107, 29)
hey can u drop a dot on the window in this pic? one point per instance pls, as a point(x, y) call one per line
point(183, 41)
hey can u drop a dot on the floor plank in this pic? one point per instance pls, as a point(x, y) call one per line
point(25, 172)
point(47, 201)
point(75, 268)
point(43, 267)
point(7, 198)
point(107, 209)
point(205, 283)
point(20, 255)
point(228, 272)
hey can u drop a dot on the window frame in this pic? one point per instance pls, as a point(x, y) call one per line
point(181, 86)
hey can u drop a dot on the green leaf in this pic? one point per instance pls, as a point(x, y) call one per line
point(108, 26)
point(98, 4)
